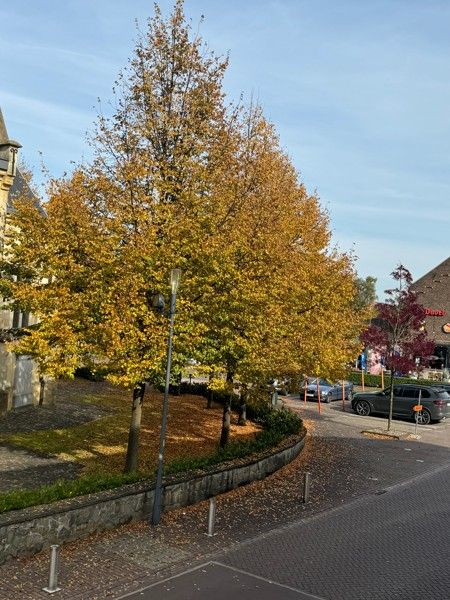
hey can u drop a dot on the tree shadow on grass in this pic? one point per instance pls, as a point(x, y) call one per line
point(98, 445)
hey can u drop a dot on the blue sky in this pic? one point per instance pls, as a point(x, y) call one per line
point(359, 91)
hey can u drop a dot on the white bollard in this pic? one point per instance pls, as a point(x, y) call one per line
point(211, 516)
point(306, 484)
point(54, 568)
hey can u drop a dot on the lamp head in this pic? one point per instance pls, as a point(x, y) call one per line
point(158, 303)
point(175, 276)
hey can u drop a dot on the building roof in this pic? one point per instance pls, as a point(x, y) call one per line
point(435, 276)
point(3, 132)
point(20, 187)
point(433, 291)
point(4, 138)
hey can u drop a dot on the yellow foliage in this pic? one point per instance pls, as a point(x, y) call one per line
point(181, 180)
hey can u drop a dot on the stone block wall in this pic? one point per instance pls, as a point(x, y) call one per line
point(31, 530)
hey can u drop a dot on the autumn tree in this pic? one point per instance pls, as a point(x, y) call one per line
point(181, 179)
point(286, 301)
point(366, 294)
point(113, 230)
point(398, 333)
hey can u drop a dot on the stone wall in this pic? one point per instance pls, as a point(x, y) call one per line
point(33, 529)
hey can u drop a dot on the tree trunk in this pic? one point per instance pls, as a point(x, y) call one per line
point(41, 390)
point(209, 399)
point(391, 399)
point(226, 422)
point(243, 407)
point(135, 426)
point(226, 418)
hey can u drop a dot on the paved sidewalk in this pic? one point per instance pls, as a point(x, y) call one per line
point(378, 547)
point(344, 466)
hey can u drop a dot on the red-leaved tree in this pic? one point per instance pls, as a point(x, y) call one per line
point(398, 332)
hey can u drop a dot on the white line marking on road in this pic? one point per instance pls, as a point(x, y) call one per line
point(219, 564)
point(288, 587)
point(164, 581)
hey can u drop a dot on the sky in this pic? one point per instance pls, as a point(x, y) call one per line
point(358, 90)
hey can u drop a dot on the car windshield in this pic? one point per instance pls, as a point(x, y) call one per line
point(313, 381)
point(443, 393)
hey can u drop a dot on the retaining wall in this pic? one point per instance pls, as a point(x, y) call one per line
point(28, 531)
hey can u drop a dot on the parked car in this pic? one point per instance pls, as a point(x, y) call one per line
point(445, 386)
point(434, 399)
point(328, 391)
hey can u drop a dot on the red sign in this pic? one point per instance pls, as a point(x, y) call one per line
point(431, 312)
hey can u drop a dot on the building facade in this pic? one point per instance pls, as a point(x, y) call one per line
point(20, 384)
point(433, 291)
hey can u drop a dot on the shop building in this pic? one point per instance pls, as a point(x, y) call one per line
point(433, 291)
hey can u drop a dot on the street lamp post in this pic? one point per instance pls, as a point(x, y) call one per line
point(175, 275)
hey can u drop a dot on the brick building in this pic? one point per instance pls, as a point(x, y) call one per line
point(433, 291)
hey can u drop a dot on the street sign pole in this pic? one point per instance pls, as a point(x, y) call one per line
point(416, 410)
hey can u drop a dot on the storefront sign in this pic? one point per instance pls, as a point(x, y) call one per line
point(446, 328)
point(431, 312)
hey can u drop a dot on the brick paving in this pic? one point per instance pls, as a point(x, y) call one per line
point(395, 545)
point(345, 467)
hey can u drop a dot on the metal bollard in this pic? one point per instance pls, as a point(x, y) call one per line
point(211, 516)
point(54, 568)
point(306, 484)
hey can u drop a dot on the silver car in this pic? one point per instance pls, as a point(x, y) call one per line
point(328, 391)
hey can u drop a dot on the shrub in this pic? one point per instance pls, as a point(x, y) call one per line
point(87, 373)
point(375, 380)
point(283, 421)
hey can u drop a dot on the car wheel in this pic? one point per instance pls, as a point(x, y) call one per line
point(350, 396)
point(362, 408)
point(328, 398)
point(423, 417)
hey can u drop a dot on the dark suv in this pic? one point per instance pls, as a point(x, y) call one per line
point(434, 399)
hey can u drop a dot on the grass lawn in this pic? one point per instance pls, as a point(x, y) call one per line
point(99, 446)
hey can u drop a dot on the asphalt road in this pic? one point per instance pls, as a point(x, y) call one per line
point(334, 419)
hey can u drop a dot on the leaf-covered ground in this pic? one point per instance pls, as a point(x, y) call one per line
point(99, 444)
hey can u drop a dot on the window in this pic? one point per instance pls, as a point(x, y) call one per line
point(410, 393)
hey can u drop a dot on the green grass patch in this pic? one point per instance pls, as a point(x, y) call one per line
point(99, 446)
point(63, 489)
point(279, 424)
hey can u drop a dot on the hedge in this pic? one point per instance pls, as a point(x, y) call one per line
point(375, 380)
